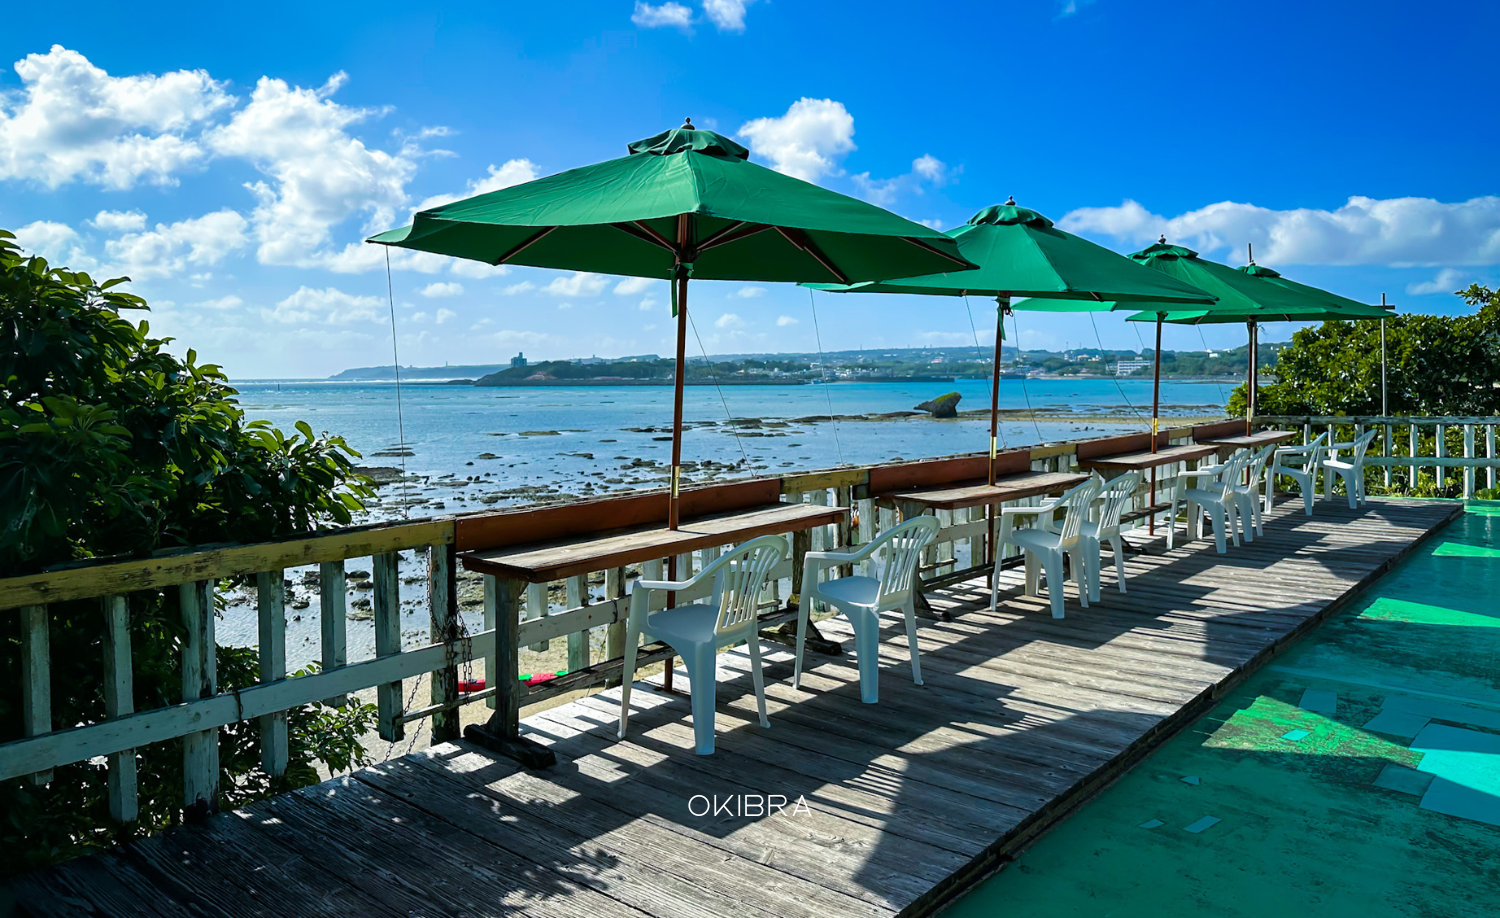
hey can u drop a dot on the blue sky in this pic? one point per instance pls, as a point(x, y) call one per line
point(231, 162)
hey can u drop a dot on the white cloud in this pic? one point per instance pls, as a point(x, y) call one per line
point(439, 288)
point(477, 270)
point(1394, 231)
point(222, 303)
point(749, 293)
point(522, 287)
point(930, 168)
point(418, 317)
point(932, 224)
point(119, 221)
point(579, 283)
point(72, 121)
point(59, 243)
point(877, 191)
point(729, 320)
point(667, 15)
point(329, 306)
point(1447, 281)
point(807, 141)
point(513, 172)
point(648, 304)
point(319, 175)
point(171, 248)
point(443, 315)
point(784, 321)
point(728, 15)
point(630, 286)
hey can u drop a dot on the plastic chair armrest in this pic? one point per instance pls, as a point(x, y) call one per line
point(670, 585)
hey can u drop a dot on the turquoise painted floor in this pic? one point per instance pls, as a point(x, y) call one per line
point(1357, 774)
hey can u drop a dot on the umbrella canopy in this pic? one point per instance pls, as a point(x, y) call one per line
point(1251, 294)
point(1021, 254)
point(622, 216)
point(684, 203)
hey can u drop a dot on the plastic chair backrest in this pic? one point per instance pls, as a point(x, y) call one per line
point(1318, 446)
point(898, 552)
point(1229, 473)
point(1257, 465)
point(1076, 504)
point(1360, 445)
point(1116, 493)
point(742, 576)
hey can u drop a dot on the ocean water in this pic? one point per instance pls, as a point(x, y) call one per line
point(468, 449)
point(531, 441)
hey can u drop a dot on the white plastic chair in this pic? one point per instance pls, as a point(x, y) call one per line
point(1044, 545)
point(895, 555)
point(1215, 497)
point(697, 631)
point(1246, 492)
point(1352, 471)
point(1299, 463)
point(1105, 527)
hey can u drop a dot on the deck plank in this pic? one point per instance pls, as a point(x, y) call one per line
point(1021, 718)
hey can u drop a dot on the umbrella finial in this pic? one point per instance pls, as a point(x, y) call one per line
point(1010, 201)
point(1162, 239)
point(1250, 251)
point(687, 124)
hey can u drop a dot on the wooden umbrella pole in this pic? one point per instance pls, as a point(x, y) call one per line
point(1155, 423)
point(681, 280)
point(1002, 307)
point(1249, 374)
point(1254, 376)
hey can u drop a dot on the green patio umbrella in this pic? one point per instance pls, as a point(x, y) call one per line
point(683, 204)
point(1251, 294)
point(1020, 254)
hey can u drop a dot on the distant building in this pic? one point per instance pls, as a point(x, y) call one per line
point(1127, 367)
point(519, 360)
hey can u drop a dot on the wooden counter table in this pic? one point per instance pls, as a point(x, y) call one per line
point(1011, 487)
point(1144, 460)
point(1253, 441)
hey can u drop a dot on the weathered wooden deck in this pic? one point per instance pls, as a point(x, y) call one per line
point(907, 802)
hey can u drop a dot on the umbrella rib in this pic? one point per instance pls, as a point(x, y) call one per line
point(644, 232)
point(937, 251)
point(732, 233)
point(523, 246)
point(806, 245)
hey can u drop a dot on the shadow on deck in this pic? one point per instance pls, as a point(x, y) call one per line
point(902, 804)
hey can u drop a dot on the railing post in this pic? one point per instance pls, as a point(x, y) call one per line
point(1468, 454)
point(502, 733)
point(1411, 452)
point(1489, 453)
point(538, 605)
point(442, 608)
point(270, 603)
point(578, 641)
point(1388, 446)
point(332, 597)
point(119, 700)
point(1441, 452)
point(614, 634)
point(801, 545)
point(36, 678)
point(386, 574)
point(200, 679)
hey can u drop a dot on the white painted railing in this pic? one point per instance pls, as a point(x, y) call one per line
point(1413, 443)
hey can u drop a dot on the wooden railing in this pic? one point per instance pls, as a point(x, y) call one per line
point(1412, 443)
point(191, 576)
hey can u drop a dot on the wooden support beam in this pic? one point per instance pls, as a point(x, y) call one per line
point(614, 633)
point(387, 600)
point(442, 606)
point(119, 701)
point(36, 678)
point(270, 601)
point(200, 679)
point(502, 733)
point(538, 606)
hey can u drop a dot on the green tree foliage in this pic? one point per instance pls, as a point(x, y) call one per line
point(1436, 366)
point(110, 446)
